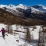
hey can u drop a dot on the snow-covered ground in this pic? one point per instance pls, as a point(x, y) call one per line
point(33, 32)
point(11, 40)
point(15, 40)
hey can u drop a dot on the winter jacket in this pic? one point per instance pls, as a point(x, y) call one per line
point(3, 30)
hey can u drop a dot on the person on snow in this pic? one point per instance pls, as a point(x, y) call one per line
point(3, 32)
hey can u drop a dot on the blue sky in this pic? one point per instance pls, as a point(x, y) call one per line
point(25, 2)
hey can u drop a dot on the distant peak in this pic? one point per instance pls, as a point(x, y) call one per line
point(1, 5)
point(20, 5)
point(41, 5)
point(11, 5)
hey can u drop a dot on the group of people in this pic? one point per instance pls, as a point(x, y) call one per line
point(3, 32)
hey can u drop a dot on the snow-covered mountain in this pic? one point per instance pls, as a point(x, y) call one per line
point(11, 7)
point(24, 11)
point(40, 7)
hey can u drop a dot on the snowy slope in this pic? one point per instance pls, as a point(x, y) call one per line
point(11, 40)
point(40, 7)
point(33, 10)
point(18, 38)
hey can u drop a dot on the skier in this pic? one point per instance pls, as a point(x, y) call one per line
point(3, 32)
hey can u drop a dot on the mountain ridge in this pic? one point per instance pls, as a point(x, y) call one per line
point(11, 6)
